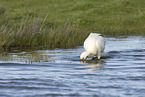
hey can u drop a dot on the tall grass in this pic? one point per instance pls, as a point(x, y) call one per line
point(34, 33)
point(61, 23)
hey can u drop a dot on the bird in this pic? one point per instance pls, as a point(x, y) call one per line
point(94, 46)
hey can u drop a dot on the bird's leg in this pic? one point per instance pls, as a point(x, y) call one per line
point(99, 55)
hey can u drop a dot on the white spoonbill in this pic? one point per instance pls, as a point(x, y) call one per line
point(94, 46)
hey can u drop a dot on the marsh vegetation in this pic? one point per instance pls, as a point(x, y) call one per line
point(61, 23)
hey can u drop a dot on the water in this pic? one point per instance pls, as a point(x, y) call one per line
point(59, 72)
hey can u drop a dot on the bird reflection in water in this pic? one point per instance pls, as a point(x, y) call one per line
point(96, 63)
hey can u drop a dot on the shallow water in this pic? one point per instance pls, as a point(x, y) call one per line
point(42, 73)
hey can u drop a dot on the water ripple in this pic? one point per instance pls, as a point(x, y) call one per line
point(119, 73)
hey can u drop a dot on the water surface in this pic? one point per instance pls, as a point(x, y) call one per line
point(59, 72)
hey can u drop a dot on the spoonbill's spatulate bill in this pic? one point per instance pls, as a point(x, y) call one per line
point(94, 46)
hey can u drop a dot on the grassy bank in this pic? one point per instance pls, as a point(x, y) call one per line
point(64, 23)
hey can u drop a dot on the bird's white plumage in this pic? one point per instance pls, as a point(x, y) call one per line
point(94, 46)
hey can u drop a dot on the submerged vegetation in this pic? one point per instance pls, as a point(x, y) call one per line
point(27, 57)
point(61, 23)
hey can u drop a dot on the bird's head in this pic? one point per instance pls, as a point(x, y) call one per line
point(84, 56)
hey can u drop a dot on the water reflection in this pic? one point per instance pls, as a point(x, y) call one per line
point(50, 56)
point(120, 51)
point(25, 57)
point(97, 63)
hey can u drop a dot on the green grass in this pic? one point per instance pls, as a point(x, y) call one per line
point(64, 23)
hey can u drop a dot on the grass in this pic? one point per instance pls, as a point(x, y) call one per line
point(64, 23)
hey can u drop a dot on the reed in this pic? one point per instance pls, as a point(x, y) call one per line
point(34, 34)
